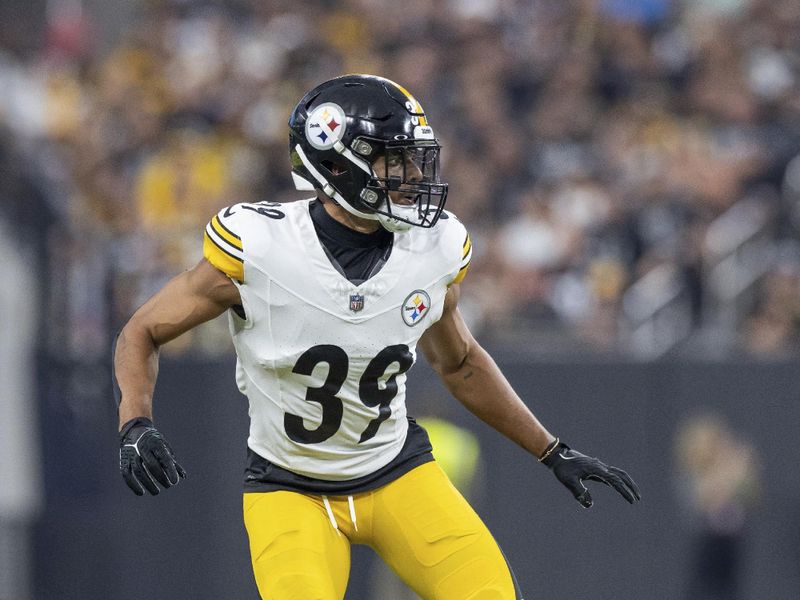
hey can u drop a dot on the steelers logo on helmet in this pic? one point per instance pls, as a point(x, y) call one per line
point(325, 126)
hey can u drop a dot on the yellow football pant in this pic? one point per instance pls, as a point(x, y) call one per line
point(419, 524)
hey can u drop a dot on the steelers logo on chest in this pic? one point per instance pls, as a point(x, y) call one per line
point(415, 307)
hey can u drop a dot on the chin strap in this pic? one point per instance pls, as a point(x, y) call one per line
point(393, 225)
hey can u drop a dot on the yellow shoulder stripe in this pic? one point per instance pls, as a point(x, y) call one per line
point(225, 233)
point(223, 260)
point(461, 274)
point(467, 247)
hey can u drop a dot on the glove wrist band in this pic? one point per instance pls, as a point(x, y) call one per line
point(133, 423)
point(549, 450)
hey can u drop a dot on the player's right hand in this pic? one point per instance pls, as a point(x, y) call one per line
point(145, 458)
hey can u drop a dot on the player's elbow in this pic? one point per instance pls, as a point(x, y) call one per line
point(137, 332)
point(450, 363)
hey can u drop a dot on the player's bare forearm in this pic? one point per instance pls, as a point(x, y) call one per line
point(136, 369)
point(475, 380)
point(483, 389)
point(472, 376)
point(191, 298)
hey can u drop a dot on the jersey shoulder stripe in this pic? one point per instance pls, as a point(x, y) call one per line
point(225, 233)
point(467, 247)
point(223, 248)
point(466, 258)
point(457, 246)
point(462, 273)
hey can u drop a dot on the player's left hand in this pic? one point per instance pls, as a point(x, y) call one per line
point(145, 458)
point(573, 468)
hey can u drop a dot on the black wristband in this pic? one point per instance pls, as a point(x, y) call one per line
point(136, 421)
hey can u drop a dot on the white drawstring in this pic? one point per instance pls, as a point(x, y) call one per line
point(330, 514)
point(332, 518)
point(352, 512)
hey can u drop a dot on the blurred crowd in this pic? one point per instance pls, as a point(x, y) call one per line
point(628, 170)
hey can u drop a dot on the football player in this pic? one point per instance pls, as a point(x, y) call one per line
point(328, 300)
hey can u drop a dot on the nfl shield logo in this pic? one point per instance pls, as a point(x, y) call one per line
point(356, 302)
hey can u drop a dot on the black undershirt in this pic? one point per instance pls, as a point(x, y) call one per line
point(357, 256)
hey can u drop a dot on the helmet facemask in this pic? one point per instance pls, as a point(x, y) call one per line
point(405, 190)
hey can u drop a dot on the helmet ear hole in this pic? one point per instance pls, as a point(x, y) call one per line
point(334, 168)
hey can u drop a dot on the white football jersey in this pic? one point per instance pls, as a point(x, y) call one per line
point(322, 361)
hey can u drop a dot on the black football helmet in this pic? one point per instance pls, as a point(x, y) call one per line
point(340, 131)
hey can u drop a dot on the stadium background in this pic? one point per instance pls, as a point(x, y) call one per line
point(629, 172)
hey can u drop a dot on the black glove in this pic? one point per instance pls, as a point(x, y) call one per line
point(573, 468)
point(145, 458)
